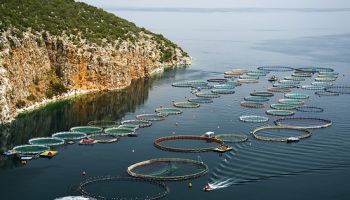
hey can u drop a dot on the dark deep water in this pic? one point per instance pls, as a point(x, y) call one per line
point(314, 168)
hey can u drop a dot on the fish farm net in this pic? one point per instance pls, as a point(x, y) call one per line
point(151, 117)
point(322, 83)
point(231, 138)
point(200, 100)
point(329, 73)
point(294, 78)
point(87, 129)
point(296, 96)
point(103, 138)
point(289, 82)
point(219, 80)
point(252, 104)
point(309, 109)
point(168, 169)
point(314, 69)
point(169, 111)
point(282, 106)
point(203, 86)
point(182, 84)
point(241, 70)
point(312, 87)
point(135, 127)
point(186, 104)
point(339, 89)
point(279, 89)
point(48, 141)
point(325, 79)
point(30, 148)
point(280, 85)
point(256, 98)
point(303, 122)
point(302, 74)
point(140, 123)
point(120, 131)
point(223, 91)
point(253, 118)
point(279, 133)
point(179, 146)
point(276, 68)
point(208, 95)
point(260, 71)
point(233, 73)
point(103, 123)
point(248, 81)
point(68, 135)
point(325, 93)
point(198, 83)
point(327, 76)
point(291, 101)
point(248, 77)
point(262, 94)
point(280, 112)
point(224, 86)
point(256, 74)
point(232, 83)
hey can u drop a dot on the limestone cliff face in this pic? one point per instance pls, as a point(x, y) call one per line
point(29, 64)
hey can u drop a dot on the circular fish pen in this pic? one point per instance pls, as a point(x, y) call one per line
point(103, 138)
point(140, 123)
point(327, 76)
point(200, 100)
point(119, 131)
point(256, 74)
point(87, 129)
point(276, 68)
point(280, 112)
point(151, 117)
point(260, 71)
point(224, 86)
point(168, 169)
point(103, 123)
point(312, 87)
point(217, 80)
point(329, 73)
point(282, 106)
point(48, 141)
point(339, 89)
point(233, 73)
point(325, 79)
point(247, 81)
point(279, 89)
point(68, 135)
point(302, 74)
point(182, 84)
point(314, 69)
point(291, 101)
point(232, 83)
point(186, 104)
point(262, 94)
point(231, 138)
point(187, 137)
point(203, 86)
point(303, 122)
point(294, 78)
point(30, 148)
point(96, 180)
point(325, 93)
point(169, 111)
point(223, 91)
point(256, 98)
point(203, 83)
point(320, 83)
point(241, 70)
point(309, 109)
point(135, 127)
point(248, 77)
point(280, 85)
point(208, 95)
point(253, 118)
point(280, 133)
point(291, 82)
point(252, 104)
point(296, 96)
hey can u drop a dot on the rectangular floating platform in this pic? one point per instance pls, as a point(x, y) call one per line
point(49, 153)
point(222, 149)
point(87, 142)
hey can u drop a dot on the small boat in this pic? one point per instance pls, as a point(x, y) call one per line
point(49, 154)
point(292, 139)
point(71, 142)
point(87, 141)
point(273, 78)
point(222, 149)
point(133, 134)
point(207, 188)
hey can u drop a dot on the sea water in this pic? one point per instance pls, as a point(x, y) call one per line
point(314, 168)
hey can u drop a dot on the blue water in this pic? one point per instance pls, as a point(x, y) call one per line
point(314, 168)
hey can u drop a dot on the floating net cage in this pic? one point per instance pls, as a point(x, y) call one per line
point(345, 89)
point(303, 122)
point(87, 129)
point(296, 96)
point(256, 98)
point(223, 91)
point(219, 80)
point(248, 77)
point(294, 78)
point(280, 112)
point(103, 123)
point(233, 73)
point(252, 104)
point(325, 79)
point(69, 135)
point(280, 133)
point(279, 89)
point(200, 100)
point(302, 74)
point(260, 71)
point(262, 94)
point(291, 82)
point(256, 74)
point(312, 87)
point(208, 95)
point(327, 76)
point(198, 83)
point(280, 85)
point(276, 68)
point(169, 111)
point(253, 118)
point(158, 142)
point(186, 104)
point(96, 180)
point(140, 123)
point(231, 138)
point(224, 86)
point(104, 138)
point(135, 127)
point(119, 131)
point(232, 83)
point(30, 148)
point(325, 93)
point(151, 117)
point(322, 83)
point(248, 81)
point(314, 69)
point(291, 101)
point(282, 106)
point(328, 73)
point(182, 84)
point(48, 141)
point(309, 109)
point(241, 70)
point(203, 86)
point(168, 169)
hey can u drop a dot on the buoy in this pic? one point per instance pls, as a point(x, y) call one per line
point(133, 151)
point(173, 133)
point(161, 106)
point(251, 133)
point(175, 124)
point(24, 162)
point(225, 160)
point(218, 127)
point(229, 105)
point(267, 102)
point(264, 86)
point(243, 94)
point(173, 101)
point(310, 99)
point(122, 118)
point(276, 97)
point(185, 96)
point(190, 185)
point(231, 120)
point(211, 111)
point(235, 99)
point(143, 112)
point(194, 116)
point(343, 74)
point(319, 95)
point(254, 90)
point(84, 173)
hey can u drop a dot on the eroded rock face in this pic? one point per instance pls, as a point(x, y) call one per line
point(29, 64)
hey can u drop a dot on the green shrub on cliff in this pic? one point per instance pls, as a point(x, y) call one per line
point(20, 104)
point(55, 89)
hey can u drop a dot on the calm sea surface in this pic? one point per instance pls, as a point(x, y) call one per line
point(219, 41)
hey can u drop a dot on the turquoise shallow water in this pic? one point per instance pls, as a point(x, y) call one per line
point(314, 168)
